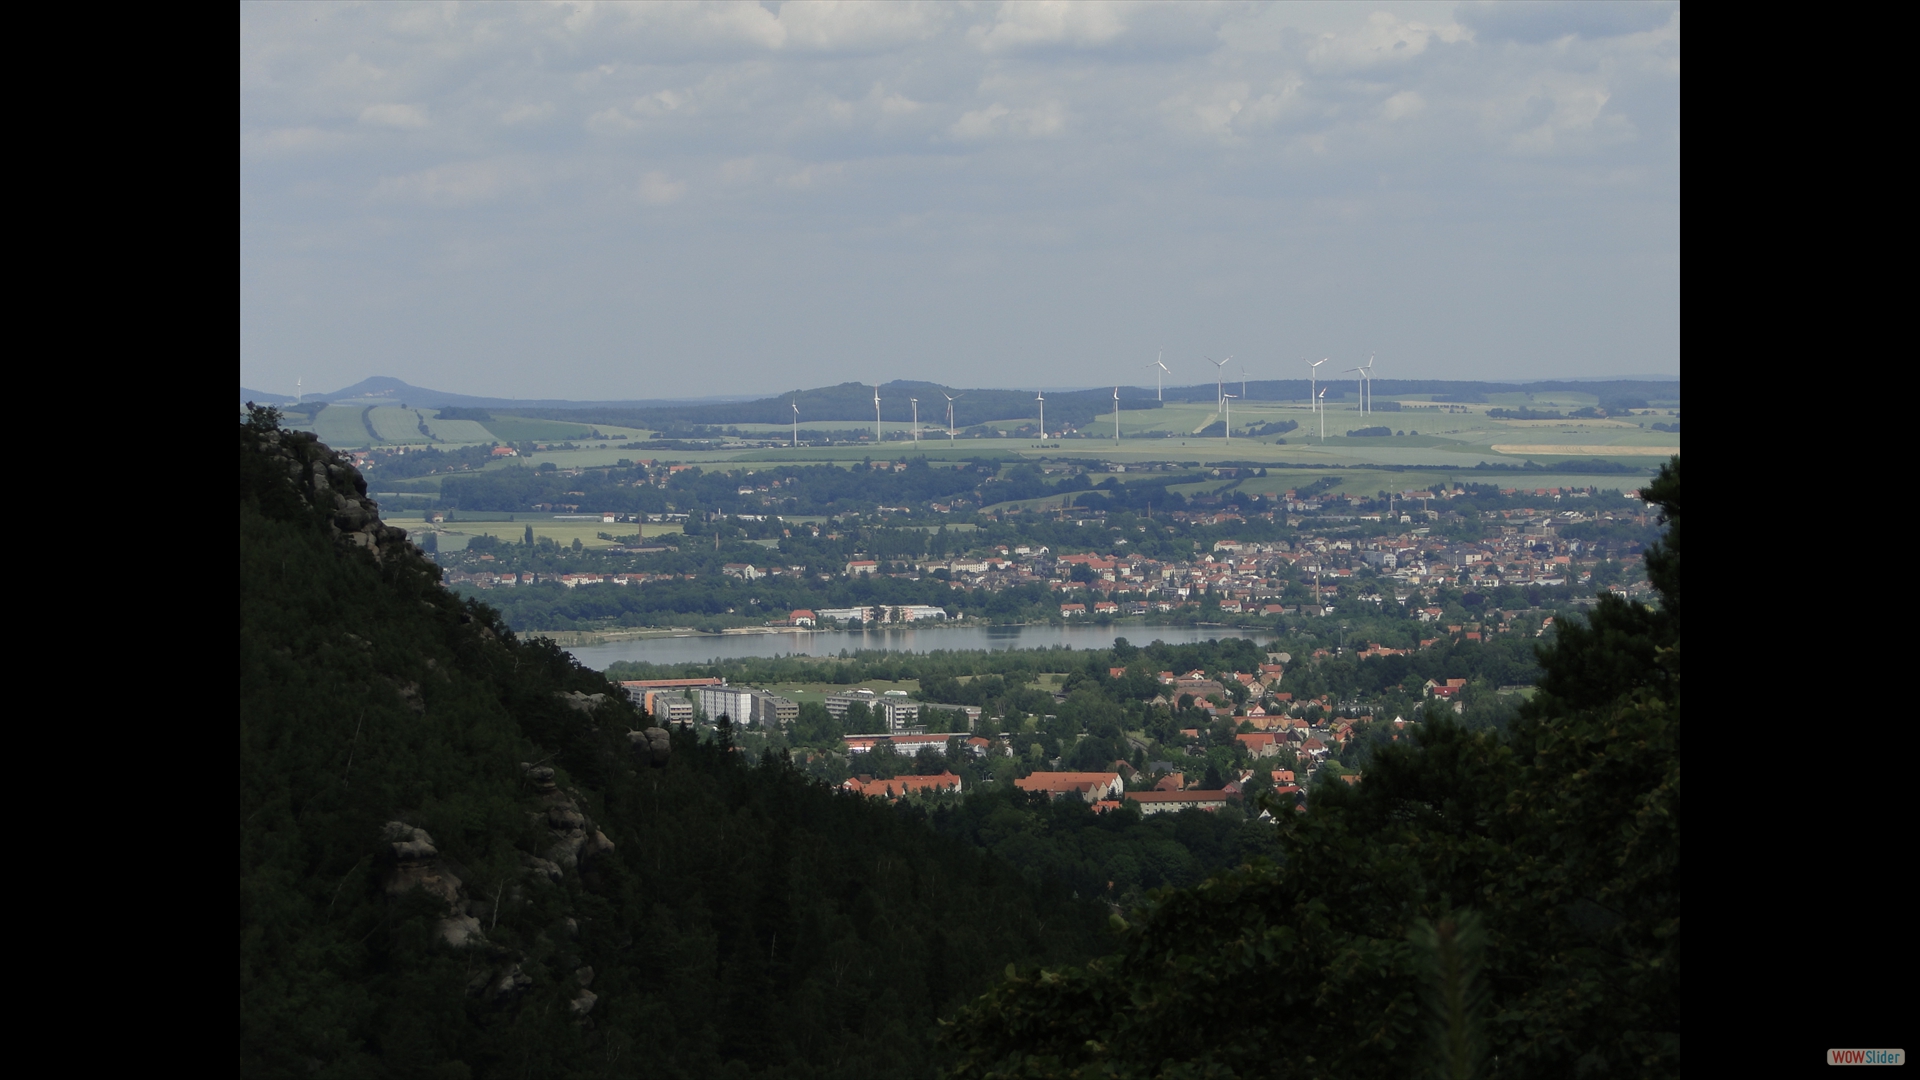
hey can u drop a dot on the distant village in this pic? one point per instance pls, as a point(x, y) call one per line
point(1244, 577)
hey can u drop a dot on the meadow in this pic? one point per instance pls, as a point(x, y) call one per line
point(456, 535)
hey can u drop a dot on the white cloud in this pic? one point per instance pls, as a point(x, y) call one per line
point(858, 24)
point(1385, 39)
point(458, 184)
point(813, 175)
point(1403, 105)
point(657, 189)
point(680, 25)
point(296, 140)
point(527, 113)
point(394, 116)
point(1020, 24)
point(999, 121)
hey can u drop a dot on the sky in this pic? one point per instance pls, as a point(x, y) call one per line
point(610, 201)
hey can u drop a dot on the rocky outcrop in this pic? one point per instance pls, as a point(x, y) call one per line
point(416, 864)
point(575, 839)
point(585, 703)
point(653, 746)
point(327, 480)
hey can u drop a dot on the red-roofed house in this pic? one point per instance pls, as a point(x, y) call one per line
point(1166, 802)
point(1091, 786)
point(1259, 744)
point(902, 785)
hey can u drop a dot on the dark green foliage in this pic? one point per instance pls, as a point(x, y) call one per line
point(1561, 836)
point(747, 921)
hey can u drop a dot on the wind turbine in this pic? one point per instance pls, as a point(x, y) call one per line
point(950, 398)
point(1313, 373)
point(1368, 371)
point(916, 420)
point(1220, 384)
point(1116, 416)
point(1323, 412)
point(1159, 376)
point(796, 422)
point(1227, 400)
point(1041, 397)
point(1243, 380)
point(876, 412)
point(300, 390)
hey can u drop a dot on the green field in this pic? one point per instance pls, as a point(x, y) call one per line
point(397, 425)
point(455, 535)
point(459, 431)
point(517, 429)
point(340, 427)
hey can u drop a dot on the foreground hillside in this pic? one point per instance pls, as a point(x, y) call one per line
point(465, 855)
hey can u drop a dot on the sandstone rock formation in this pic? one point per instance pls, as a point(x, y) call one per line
point(329, 482)
point(653, 746)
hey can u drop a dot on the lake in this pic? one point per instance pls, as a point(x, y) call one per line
point(704, 647)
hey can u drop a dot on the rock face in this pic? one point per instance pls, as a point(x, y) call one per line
point(653, 746)
point(417, 864)
point(330, 483)
point(575, 839)
point(585, 703)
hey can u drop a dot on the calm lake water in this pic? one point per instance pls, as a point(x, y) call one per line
point(686, 650)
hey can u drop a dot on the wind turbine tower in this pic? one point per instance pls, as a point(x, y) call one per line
point(1116, 416)
point(1369, 373)
point(876, 412)
point(1227, 400)
point(1220, 380)
point(796, 422)
point(949, 398)
point(1323, 414)
point(1159, 384)
point(1313, 374)
point(1243, 381)
point(916, 420)
point(1041, 397)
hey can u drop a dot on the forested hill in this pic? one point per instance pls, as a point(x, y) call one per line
point(457, 858)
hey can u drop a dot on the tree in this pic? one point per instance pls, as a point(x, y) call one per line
point(528, 541)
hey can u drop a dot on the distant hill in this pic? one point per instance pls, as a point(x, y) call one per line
point(385, 388)
point(853, 402)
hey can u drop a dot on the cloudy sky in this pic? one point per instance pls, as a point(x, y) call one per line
point(594, 200)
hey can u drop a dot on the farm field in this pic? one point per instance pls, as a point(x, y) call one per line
point(340, 427)
point(396, 425)
point(459, 431)
point(517, 429)
point(455, 536)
